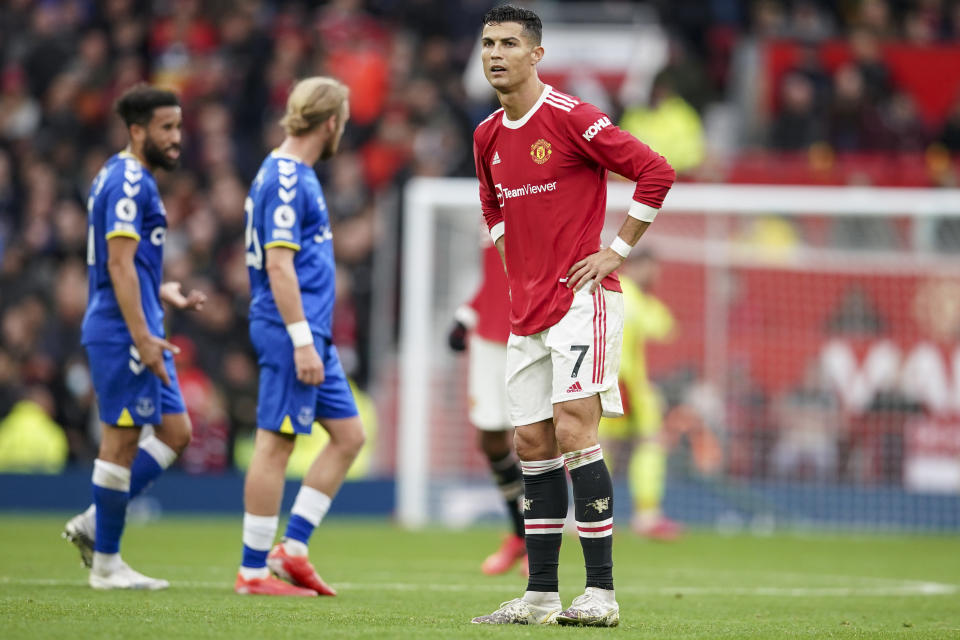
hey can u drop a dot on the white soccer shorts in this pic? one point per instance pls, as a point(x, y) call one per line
point(487, 385)
point(575, 358)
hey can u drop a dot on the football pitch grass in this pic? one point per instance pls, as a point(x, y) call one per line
point(398, 584)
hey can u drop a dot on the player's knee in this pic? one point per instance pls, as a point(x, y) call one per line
point(119, 446)
point(530, 448)
point(182, 439)
point(351, 440)
point(274, 446)
point(121, 454)
point(494, 444)
point(573, 435)
point(175, 431)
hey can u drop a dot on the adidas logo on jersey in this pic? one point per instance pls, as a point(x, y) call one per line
point(496, 157)
point(575, 387)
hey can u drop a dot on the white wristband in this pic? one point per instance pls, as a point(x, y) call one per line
point(466, 315)
point(620, 246)
point(300, 333)
point(642, 212)
point(496, 231)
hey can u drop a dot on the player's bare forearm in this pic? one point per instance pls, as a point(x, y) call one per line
point(126, 287)
point(286, 293)
point(501, 244)
point(284, 285)
point(632, 230)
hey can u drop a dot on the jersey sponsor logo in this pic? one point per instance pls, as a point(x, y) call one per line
point(126, 209)
point(596, 128)
point(323, 235)
point(527, 504)
point(526, 190)
point(282, 234)
point(158, 236)
point(575, 387)
point(284, 216)
point(125, 227)
point(496, 157)
point(145, 407)
point(540, 151)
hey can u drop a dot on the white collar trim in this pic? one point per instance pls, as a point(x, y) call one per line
point(276, 153)
point(516, 124)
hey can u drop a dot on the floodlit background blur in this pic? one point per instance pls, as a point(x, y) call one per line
point(837, 384)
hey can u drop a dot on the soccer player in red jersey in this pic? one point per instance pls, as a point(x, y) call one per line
point(484, 325)
point(542, 161)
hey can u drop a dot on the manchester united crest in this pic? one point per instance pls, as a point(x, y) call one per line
point(540, 151)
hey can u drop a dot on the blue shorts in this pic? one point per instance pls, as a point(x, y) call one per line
point(284, 403)
point(129, 394)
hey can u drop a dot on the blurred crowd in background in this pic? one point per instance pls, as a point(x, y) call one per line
point(64, 62)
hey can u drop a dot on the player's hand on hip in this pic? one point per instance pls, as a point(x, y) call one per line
point(593, 269)
point(171, 294)
point(309, 365)
point(151, 355)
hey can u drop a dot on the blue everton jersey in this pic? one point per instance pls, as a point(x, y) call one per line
point(286, 208)
point(123, 201)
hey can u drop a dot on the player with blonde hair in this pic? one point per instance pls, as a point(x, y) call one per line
point(292, 274)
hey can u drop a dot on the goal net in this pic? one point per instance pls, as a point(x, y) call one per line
point(814, 376)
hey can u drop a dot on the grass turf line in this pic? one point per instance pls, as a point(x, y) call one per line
point(395, 584)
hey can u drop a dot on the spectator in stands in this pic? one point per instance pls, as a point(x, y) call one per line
point(19, 112)
point(949, 135)
point(809, 21)
point(809, 65)
point(797, 125)
point(904, 128)
point(868, 59)
point(669, 124)
point(30, 441)
point(768, 19)
point(809, 421)
point(854, 122)
point(874, 16)
point(920, 27)
point(685, 72)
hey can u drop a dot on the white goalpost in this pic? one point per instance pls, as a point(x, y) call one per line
point(830, 301)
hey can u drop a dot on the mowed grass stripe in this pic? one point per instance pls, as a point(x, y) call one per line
point(905, 589)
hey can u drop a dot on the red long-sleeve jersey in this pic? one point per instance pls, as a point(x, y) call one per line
point(545, 177)
point(491, 302)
